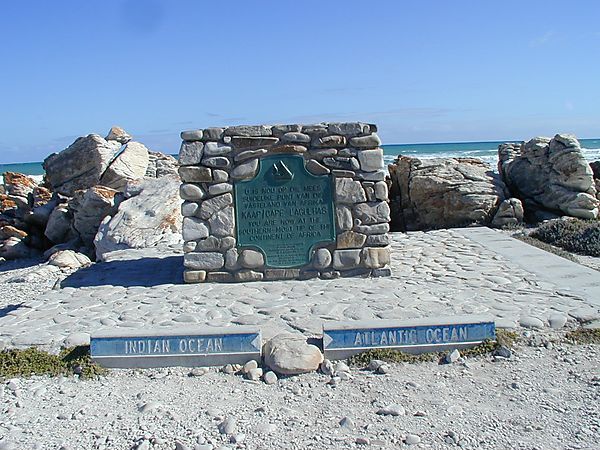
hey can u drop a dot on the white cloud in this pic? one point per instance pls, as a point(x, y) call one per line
point(543, 39)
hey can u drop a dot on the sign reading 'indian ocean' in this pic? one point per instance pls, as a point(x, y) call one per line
point(341, 340)
point(176, 347)
point(284, 211)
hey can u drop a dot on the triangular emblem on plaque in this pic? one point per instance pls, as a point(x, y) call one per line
point(281, 172)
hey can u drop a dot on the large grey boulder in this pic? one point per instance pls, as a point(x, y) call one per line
point(89, 208)
point(81, 165)
point(151, 218)
point(550, 175)
point(130, 164)
point(290, 354)
point(443, 193)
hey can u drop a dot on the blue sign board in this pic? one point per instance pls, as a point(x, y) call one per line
point(345, 339)
point(185, 347)
point(284, 211)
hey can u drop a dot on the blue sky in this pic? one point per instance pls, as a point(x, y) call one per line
point(424, 71)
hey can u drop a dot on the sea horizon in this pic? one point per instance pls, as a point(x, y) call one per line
point(484, 150)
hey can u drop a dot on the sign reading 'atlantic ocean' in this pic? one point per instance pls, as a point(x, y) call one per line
point(176, 347)
point(284, 211)
point(341, 340)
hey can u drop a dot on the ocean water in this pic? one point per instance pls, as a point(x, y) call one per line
point(487, 151)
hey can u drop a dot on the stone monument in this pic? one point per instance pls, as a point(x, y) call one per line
point(284, 202)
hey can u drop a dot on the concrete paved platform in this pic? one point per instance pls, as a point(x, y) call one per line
point(570, 276)
point(438, 273)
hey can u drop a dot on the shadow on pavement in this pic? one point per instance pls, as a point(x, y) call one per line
point(146, 272)
point(21, 263)
point(8, 308)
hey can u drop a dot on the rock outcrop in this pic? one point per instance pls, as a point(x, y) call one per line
point(84, 184)
point(549, 175)
point(18, 185)
point(118, 134)
point(152, 217)
point(160, 165)
point(130, 164)
point(510, 212)
point(443, 193)
point(81, 165)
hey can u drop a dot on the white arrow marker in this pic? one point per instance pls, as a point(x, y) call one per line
point(257, 342)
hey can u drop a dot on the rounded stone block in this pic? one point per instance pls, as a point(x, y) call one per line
point(251, 259)
point(194, 229)
point(203, 261)
point(346, 259)
point(191, 192)
point(191, 153)
point(248, 275)
point(220, 176)
point(370, 141)
point(349, 191)
point(216, 149)
point(188, 209)
point(232, 259)
point(376, 257)
point(246, 170)
point(191, 135)
point(372, 213)
point(322, 259)
point(222, 223)
point(350, 239)
point(316, 168)
point(211, 206)
point(194, 276)
point(371, 160)
point(194, 174)
point(344, 218)
point(381, 191)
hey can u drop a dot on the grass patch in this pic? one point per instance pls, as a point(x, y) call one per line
point(32, 361)
point(546, 247)
point(577, 236)
point(506, 338)
point(503, 338)
point(583, 336)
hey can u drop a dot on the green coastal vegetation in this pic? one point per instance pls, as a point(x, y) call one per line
point(33, 361)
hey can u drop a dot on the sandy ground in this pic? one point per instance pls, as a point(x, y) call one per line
point(546, 396)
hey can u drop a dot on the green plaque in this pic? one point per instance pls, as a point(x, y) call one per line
point(284, 211)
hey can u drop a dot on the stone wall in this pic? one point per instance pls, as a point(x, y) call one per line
point(216, 165)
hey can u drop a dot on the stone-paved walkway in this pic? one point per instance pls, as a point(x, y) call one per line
point(439, 273)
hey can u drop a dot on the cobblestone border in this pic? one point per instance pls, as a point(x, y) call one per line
point(214, 159)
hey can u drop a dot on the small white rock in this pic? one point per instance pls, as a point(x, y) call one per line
point(391, 410)
point(412, 439)
point(250, 365)
point(254, 374)
point(270, 377)
point(228, 426)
